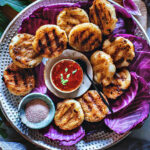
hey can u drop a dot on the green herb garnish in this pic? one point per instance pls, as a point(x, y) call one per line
point(68, 75)
point(73, 72)
point(61, 76)
point(66, 69)
point(64, 82)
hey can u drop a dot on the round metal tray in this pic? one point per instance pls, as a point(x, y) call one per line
point(9, 102)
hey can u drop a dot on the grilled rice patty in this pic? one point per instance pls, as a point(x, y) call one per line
point(19, 81)
point(22, 53)
point(50, 41)
point(93, 107)
point(69, 114)
point(85, 37)
point(120, 82)
point(102, 13)
point(120, 49)
point(103, 67)
point(70, 17)
point(112, 91)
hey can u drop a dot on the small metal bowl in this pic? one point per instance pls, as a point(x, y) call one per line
point(46, 121)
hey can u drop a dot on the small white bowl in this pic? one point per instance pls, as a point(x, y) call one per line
point(54, 83)
point(68, 54)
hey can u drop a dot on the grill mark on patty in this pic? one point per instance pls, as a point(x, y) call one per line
point(15, 79)
point(98, 17)
point(105, 17)
point(91, 17)
point(84, 41)
point(23, 75)
point(129, 60)
point(109, 15)
point(56, 38)
point(86, 103)
point(48, 43)
point(66, 112)
point(18, 59)
point(47, 39)
point(112, 39)
point(59, 44)
point(76, 39)
point(118, 49)
point(8, 71)
point(81, 34)
point(41, 47)
point(65, 115)
point(16, 50)
point(94, 101)
point(14, 76)
point(70, 23)
point(20, 71)
point(75, 112)
point(35, 55)
point(96, 41)
point(74, 118)
point(118, 62)
point(67, 121)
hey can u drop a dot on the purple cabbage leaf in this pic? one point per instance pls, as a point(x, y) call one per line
point(41, 16)
point(131, 7)
point(40, 86)
point(128, 97)
point(133, 115)
point(48, 15)
point(125, 23)
point(65, 138)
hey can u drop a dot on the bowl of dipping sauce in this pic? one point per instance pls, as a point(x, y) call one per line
point(36, 110)
point(66, 76)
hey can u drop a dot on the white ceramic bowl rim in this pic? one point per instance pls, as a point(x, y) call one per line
point(54, 83)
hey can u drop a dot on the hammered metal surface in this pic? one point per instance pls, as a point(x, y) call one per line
point(9, 102)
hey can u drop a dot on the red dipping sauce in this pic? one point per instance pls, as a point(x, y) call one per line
point(66, 75)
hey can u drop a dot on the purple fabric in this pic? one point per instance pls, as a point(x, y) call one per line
point(66, 138)
point(134, 114)
point(128, 97)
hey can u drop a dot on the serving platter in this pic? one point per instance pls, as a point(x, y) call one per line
point(9, 103)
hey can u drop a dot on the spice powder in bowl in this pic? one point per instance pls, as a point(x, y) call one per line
point(36, 110)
